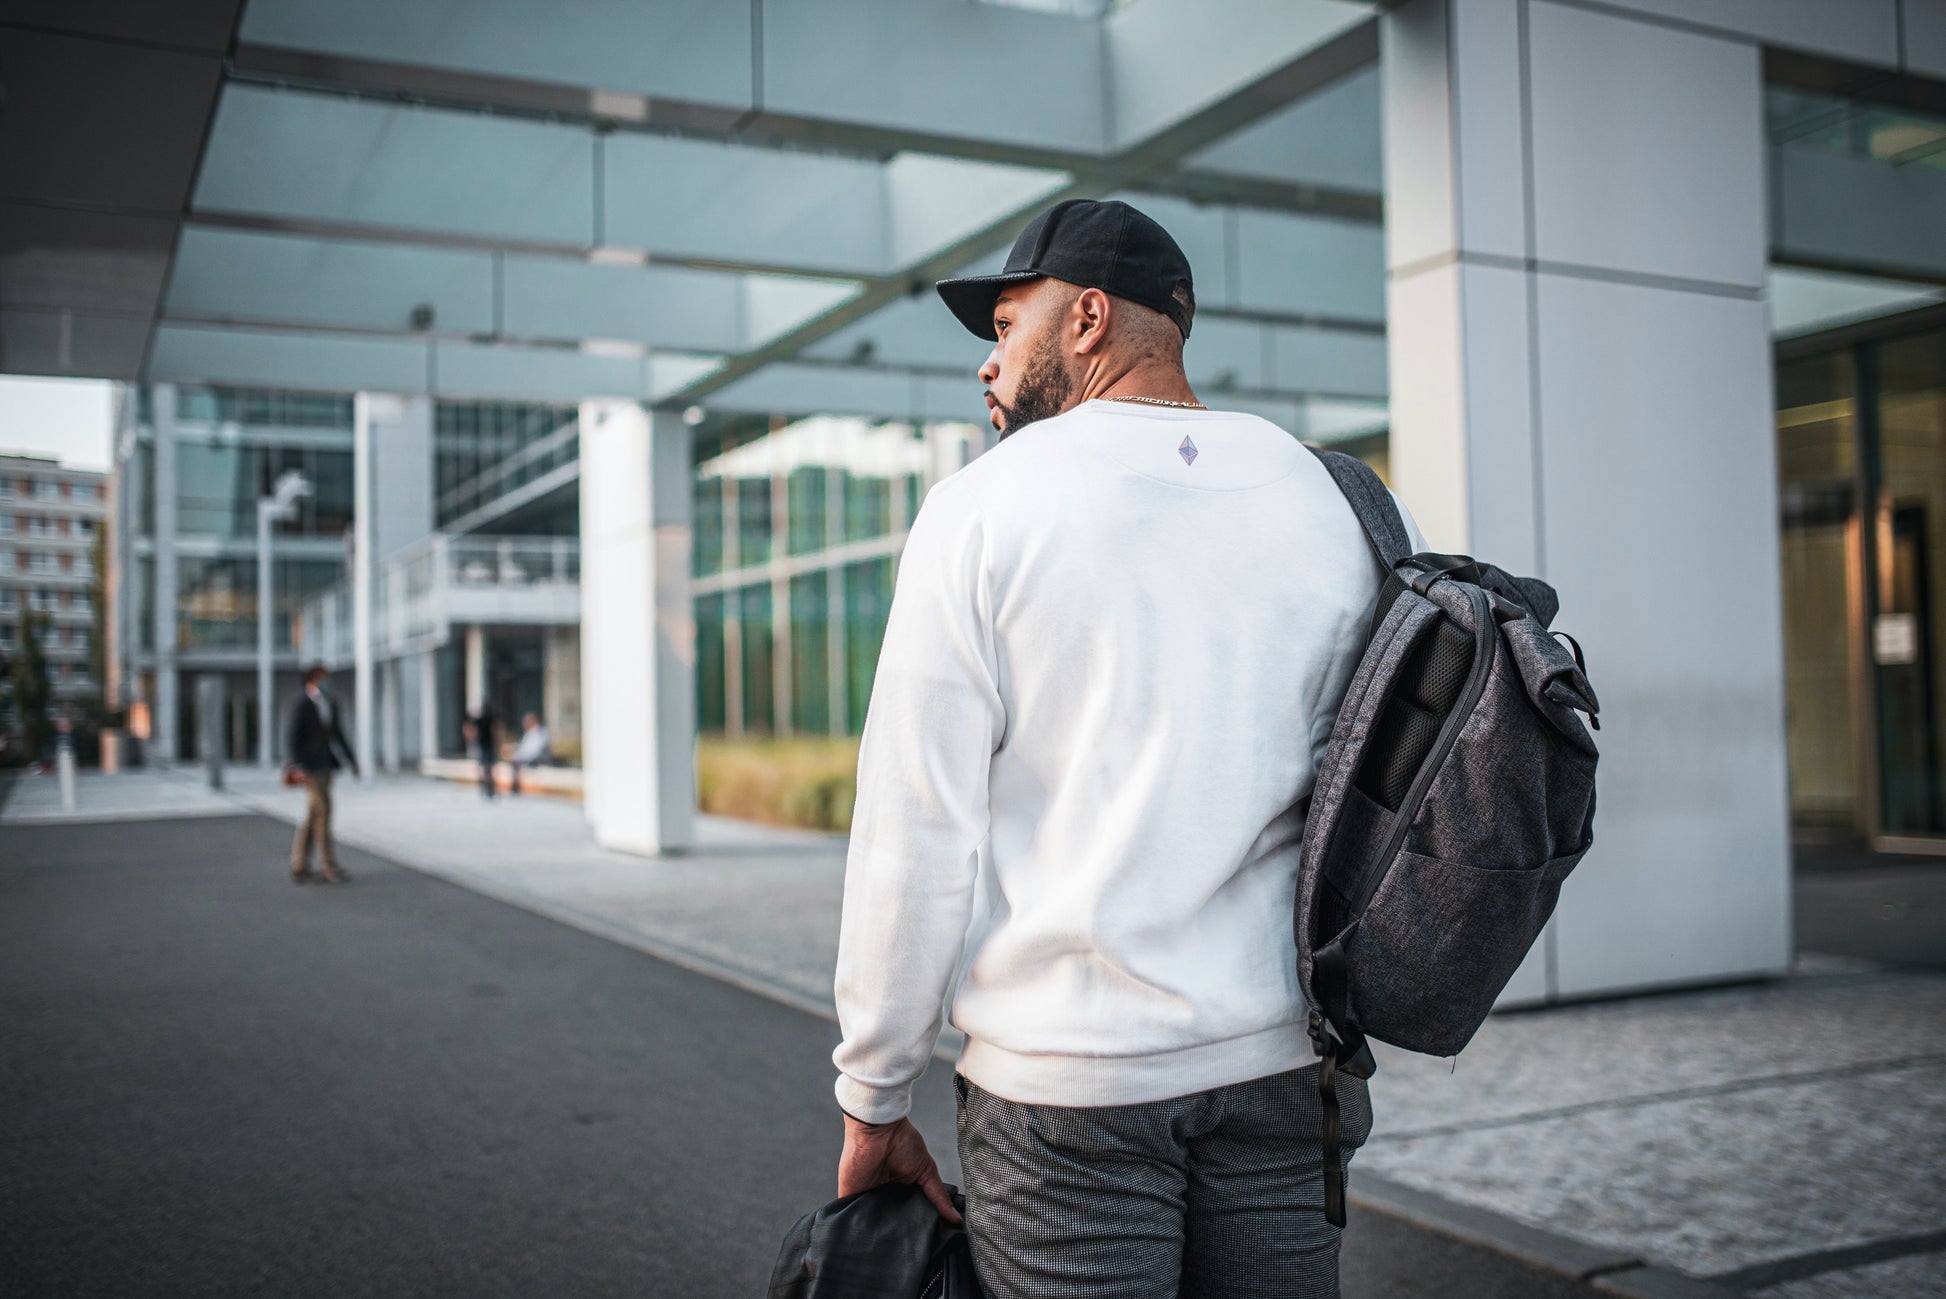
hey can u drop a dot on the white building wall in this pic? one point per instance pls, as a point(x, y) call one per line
point(1581, 390)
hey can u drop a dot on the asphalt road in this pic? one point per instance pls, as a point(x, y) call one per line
point(213, 1082)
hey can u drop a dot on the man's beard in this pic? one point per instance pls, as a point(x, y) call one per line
point(1043, 390)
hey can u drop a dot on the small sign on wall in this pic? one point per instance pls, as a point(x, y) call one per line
point(1895, 639)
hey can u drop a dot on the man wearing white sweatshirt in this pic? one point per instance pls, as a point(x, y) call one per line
point(1116, 649)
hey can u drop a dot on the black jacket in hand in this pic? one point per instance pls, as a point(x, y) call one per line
point(885, 1243)
point(312, 744)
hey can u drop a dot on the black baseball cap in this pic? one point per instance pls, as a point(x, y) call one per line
point(1097, 245)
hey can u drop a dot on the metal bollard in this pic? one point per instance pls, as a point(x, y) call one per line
point(64, 769)
point(210, 700)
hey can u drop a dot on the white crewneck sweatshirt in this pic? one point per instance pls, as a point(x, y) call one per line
point(1117, 645)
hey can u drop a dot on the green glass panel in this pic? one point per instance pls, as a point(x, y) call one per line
point(810, 654)
point(711, 713)
point(759, 694)
point(807, 512)
point(868, 601)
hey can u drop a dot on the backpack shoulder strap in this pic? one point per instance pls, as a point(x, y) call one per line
point(1377, 513)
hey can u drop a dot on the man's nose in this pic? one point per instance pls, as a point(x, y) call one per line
point(990, 370)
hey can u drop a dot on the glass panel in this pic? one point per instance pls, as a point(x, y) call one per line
point(807, 510)
point(868, 507)
point(759, 697)
point(216, 489)
point(868, 600)
point(217, 603)
point(711, 714)
point(810, 654)
point(1817, 436)
point(1907, 626)
point(707, 514)
point(753, 520)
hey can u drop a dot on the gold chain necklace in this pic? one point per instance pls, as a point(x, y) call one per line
point(1158, 401)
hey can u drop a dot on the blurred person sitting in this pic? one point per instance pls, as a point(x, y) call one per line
point(314, 742)
point(532, 750)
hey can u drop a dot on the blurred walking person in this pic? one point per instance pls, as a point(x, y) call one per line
point(483, 733)
point(531, 751)
point(315, 742)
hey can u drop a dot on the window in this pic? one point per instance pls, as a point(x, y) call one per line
point(6, 525)
point(6, 561)
point(41, 564)
point(45, 489)
point(8, 601)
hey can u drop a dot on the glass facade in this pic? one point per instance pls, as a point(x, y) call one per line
point(485, 449)
point(798, 525)
point(1862, 462)
point(216, 604)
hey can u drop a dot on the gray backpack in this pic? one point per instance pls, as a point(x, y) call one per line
point(1457, 792)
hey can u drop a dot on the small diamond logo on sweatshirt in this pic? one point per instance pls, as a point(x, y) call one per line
point(1188, 451)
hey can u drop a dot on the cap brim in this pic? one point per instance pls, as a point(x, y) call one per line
point(972, 299)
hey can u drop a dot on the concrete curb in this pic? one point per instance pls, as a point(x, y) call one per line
point(1610, 1270)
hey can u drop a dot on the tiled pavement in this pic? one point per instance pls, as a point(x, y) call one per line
point(1788, 1139)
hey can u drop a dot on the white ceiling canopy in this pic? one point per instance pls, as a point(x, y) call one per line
point(674, 200)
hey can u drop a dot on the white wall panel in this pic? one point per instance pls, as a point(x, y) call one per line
point(1485, 115)
point(1660, 486)
point(1419, 168)
point(1864, 31)
point(1648, 147)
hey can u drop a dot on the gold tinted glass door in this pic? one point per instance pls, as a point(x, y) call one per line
point(1817, 440)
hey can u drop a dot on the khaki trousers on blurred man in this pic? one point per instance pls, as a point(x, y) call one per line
point(315, 828)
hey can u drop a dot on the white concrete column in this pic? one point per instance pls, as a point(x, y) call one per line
point(368, 411)
point(391, 721)
point(1581, 389)
point(561, 683)
point(638, 629)
point(428, 705)
point(165, 717)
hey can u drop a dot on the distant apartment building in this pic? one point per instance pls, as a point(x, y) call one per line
point(49, 516)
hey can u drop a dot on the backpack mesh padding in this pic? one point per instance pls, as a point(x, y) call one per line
point(1426, 688)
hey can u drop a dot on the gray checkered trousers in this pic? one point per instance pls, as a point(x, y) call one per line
point(1216, 1195)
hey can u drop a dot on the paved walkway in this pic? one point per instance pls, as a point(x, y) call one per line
point(1783, 1139)
point(214, 1083)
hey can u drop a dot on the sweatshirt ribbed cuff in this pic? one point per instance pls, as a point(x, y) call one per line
point(873, 1104)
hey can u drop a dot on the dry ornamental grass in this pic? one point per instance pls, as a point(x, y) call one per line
point(802, 781)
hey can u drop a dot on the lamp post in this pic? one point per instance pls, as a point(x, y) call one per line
point(278, 507)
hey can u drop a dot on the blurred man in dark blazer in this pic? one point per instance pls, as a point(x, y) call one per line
point(314, 744)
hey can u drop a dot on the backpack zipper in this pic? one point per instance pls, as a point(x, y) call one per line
point(1476, 684)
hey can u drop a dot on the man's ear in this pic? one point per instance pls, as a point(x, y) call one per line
point(1090, 320)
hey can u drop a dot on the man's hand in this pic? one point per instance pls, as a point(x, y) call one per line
point(890, 1152)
